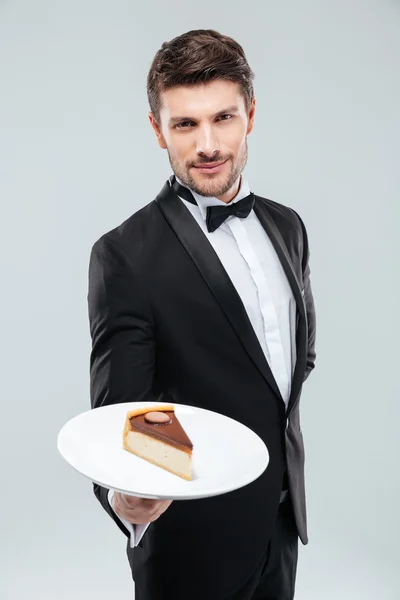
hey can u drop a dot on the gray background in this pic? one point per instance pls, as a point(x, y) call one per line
point(78, 156)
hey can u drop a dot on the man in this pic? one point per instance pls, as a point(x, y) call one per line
point(203, 297)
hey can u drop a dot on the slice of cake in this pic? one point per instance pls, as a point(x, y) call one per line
point(155, 434)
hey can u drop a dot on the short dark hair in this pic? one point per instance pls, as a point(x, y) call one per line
point(198, 56)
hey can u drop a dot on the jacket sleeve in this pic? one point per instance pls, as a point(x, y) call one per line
point(309, 303)
point(122, 358)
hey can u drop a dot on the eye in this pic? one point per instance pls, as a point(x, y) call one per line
point(222, 117)
point(183, 125)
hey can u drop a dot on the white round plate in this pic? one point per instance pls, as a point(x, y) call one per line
point(227, 455)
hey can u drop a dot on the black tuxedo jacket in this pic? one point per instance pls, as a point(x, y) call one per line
point(168, 325)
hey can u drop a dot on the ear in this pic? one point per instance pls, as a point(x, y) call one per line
point(251, 116)
point(157, 130)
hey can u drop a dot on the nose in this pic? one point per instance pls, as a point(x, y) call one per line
point(207, 144)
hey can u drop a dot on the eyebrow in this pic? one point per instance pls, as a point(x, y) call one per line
point(230, 109)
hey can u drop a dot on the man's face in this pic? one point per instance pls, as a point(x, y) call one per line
point(204, 129)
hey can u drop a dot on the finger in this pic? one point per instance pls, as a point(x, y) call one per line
point(139, 518)
point(164, 505)
point(130, 501)
point(139, 510)
point(150, 503)
point(160, 509)
point(153, 511)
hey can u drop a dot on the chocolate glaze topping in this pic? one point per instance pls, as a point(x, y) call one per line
point(171, 432)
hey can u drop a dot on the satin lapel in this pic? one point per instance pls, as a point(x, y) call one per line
point(215, 276)
point(265, 218)
point(267, 222)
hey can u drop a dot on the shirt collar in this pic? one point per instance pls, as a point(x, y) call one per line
point(204, 201)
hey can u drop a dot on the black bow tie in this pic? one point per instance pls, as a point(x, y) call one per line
point(216, 215)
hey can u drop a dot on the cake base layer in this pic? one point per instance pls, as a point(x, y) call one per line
point(159, 453)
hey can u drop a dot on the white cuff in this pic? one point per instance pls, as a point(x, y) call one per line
point(136, 531)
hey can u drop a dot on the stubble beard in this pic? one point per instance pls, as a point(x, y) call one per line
point(211, 186)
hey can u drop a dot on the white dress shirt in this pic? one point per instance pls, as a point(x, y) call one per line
point(255, 270)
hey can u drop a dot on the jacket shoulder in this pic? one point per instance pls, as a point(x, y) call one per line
point(290, 226)
point(136, 227)
point(282, 214)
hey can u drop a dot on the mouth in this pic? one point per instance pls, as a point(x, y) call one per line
point(210, 167)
